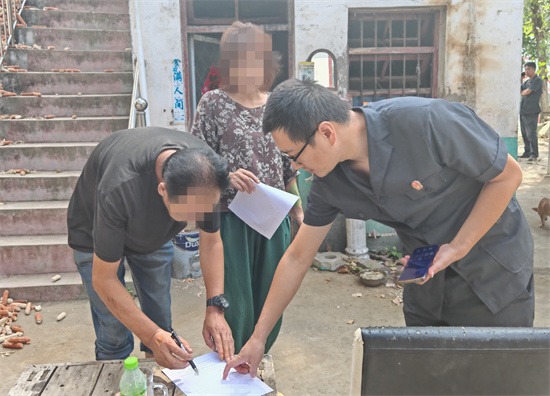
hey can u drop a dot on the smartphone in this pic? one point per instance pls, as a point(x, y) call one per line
point(419, 262)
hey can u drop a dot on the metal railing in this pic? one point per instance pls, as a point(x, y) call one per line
point(138, 104)
point(138, 107)
point(10, 14)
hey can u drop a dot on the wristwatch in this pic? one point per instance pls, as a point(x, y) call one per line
point(219, 302)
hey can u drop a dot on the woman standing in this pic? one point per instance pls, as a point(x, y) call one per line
point(230, 121)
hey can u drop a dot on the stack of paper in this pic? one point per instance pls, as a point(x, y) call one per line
point(209, 381)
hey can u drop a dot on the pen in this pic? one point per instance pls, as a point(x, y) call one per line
point(177, 339)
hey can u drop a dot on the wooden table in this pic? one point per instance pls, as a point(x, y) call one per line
point(101, 378)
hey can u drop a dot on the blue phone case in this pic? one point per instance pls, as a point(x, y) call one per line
point(419, 262)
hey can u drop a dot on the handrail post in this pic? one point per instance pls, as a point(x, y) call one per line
point(135, 95)
point(7, 27)
point(9, 17)
point(140, 105)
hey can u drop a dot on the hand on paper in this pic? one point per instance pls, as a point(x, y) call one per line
point(164, 348)
point(251, 355)
point(217, 334)
point(243, 180)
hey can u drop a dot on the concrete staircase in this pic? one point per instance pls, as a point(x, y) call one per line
point(91, 36)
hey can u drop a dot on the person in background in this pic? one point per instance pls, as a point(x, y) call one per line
point(137, 190)
point(430, 169)
point(230, 121)
point(529, 110)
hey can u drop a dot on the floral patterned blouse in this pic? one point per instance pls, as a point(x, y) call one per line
point(235, 132)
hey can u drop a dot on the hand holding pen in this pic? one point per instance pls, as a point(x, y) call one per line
point(177, 339)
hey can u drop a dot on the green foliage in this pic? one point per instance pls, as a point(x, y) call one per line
point(536, 31)
point(354, 269)
point(393, 253)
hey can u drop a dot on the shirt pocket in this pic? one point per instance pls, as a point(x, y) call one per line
point(428, 185)
point(509, 240)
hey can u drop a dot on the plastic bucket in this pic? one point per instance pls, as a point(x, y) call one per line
point(186, 256)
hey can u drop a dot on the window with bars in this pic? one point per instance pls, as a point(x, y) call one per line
point(220, 12)
point(392, 54)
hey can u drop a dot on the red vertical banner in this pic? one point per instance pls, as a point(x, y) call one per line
point(212, 80)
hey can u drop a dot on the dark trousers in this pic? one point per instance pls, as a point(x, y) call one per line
point(528, 123)
point(462, 307)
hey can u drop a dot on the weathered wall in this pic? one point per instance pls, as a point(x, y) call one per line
point(322, 25)
point(479, 62)
point(159, 21)
point(483, 60)
point(480, 49)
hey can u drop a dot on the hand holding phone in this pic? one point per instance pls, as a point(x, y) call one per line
point(417, 267)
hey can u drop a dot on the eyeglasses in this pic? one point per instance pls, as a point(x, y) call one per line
point(294, 158)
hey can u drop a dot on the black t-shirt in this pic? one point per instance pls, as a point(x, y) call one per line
point(115, 209)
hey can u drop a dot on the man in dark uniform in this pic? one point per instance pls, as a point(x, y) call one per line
point(430, 169)
point(529, 111)
point(136, 192)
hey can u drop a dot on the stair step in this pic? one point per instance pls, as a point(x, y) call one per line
point(33, 240)
point(77, 19)
point(33, 218)
point(82, 5)
point(41, 186)
point(75, 39)
point(67, 105)
point(35, 254)
point(83, 129)
point(68, 83)
point(85, 61)
point(39, 288)
point(46, 156)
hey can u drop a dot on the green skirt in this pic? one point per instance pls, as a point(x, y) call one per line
point(250, 263)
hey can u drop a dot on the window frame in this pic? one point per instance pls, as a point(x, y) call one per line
point(424, 55)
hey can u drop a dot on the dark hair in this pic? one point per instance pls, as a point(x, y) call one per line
point(241, 37)
point(298, 107)
point(531, 64)
point(194, 167)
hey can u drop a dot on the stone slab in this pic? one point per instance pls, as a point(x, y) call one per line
point(329, 261)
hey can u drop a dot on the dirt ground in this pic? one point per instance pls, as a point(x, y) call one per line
point(312, 355)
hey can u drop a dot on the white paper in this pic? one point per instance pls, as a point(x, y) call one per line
point(264, 209)
point(209, 381)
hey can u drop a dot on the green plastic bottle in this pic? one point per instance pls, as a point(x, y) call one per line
point(132, 382)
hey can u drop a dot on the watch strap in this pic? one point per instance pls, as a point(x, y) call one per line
point(212, 301)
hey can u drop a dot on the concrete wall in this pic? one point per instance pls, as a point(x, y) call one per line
point(480, 50)
point(479, 62)
point(159, 23)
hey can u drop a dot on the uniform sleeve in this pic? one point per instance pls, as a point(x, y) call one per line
point(204, 123)
point(459, 139)
point(109, 228)
point(319, 212)
point(536, 86)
